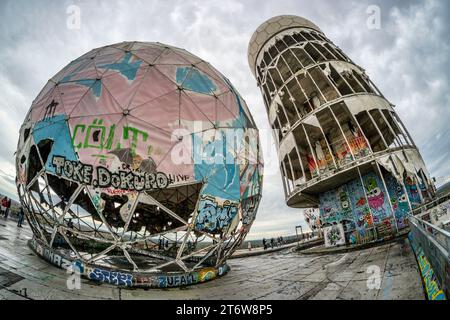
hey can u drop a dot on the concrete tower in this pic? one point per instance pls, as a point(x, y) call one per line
point(341, 146)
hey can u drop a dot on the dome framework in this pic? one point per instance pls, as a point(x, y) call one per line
point(139, 165)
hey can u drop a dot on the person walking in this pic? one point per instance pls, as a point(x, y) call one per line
point(249, 246)
point(4, 205)
point(264, 243)
point(8, 206)
point(271, 242)
point(21, 216)
point(69, 227)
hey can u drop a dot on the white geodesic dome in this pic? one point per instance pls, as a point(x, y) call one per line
point(139, 158)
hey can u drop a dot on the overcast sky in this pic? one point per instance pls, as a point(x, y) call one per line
point(407, 58)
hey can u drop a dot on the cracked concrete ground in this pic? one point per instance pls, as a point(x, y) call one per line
point(387, 272)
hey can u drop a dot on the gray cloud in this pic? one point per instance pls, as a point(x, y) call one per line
point(408, 59)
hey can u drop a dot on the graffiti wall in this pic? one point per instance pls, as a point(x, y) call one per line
point(399, 200)
point(359, 206)
point(377, 198)
point(312, 218)
point(329, 207)
point(412, 190)
point(430, 282)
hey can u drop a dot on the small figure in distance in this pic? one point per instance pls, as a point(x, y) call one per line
point(21, 216)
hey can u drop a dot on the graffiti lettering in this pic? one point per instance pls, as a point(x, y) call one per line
point(124, 180)
point(50, 255)
point(212, 216)
point(117, 278)
point(177, 280)
point(429, 278)
point(98, 136)
point(76, 171)
point(177, 178)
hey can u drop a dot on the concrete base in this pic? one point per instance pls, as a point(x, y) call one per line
point(386, 272)
point(125, 278)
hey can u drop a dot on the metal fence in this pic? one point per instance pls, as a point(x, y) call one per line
point(433, 243)
point(430, 205)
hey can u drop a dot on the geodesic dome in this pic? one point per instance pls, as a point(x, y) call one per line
point(139, 164)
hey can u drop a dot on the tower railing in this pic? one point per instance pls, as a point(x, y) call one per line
point(348, 166)
point(434, 243)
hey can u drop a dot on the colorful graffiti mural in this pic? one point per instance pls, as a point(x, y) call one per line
point(329, 207)
point(429, 278)
point(359, 206)
point(399, 200)
point(377, 197)
point(413, 192)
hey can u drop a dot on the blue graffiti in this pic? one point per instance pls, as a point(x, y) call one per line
point(212, 217)
point(211, 165)
point(348, 204)
point(399, 200)
point(329, 209)
point(192, 79)
point(95, 85)
point(125, 67)
point(413, 193)
point(243, 119)
point(57, 130)
point(116, 278)
point(359, 205)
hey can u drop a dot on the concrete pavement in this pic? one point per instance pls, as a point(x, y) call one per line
point(384, 272)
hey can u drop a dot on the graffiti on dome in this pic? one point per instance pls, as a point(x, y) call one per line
point(103, 178)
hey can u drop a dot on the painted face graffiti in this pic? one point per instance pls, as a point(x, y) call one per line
point(345, 204)
point(376, 198)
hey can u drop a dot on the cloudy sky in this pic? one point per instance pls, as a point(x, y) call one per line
point(407, 57)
